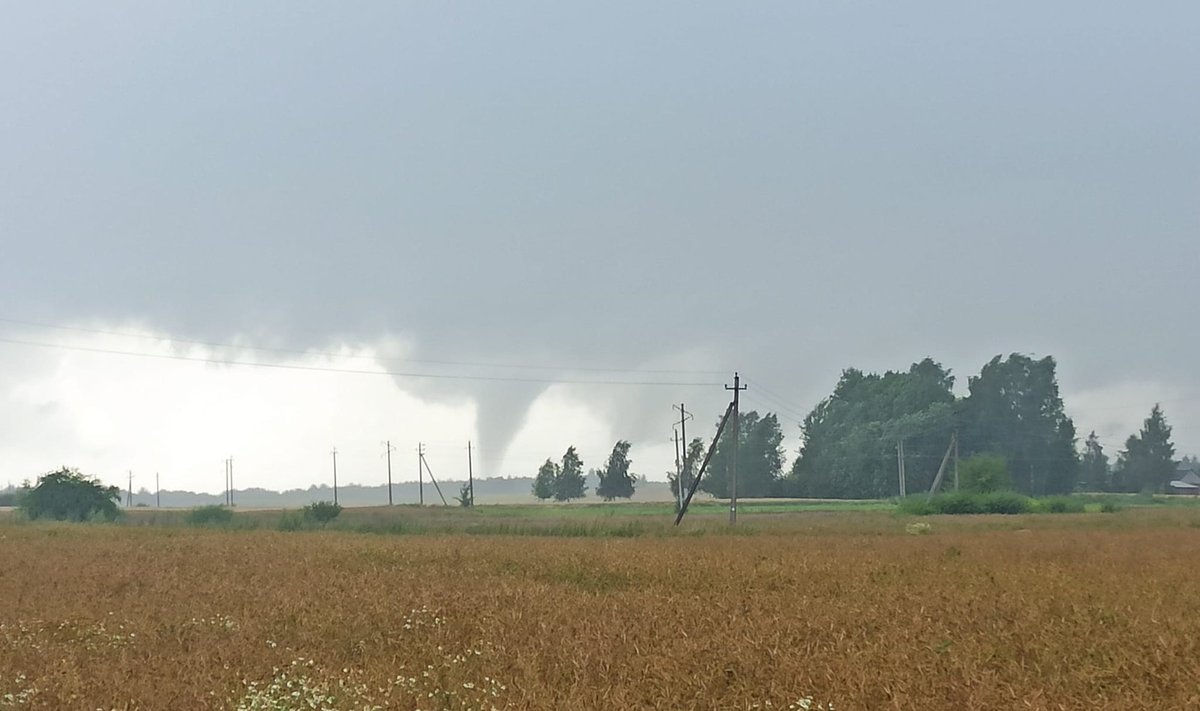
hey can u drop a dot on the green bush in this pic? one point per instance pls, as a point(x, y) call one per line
point(67, 495)
point(963, 502)
point(985, 474)
point(213, 515)
point(321, 512)
point(1060, 504)
point(1109, 507)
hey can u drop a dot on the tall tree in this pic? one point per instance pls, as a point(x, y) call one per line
point(569, 480)
point(1094, 471)
point(543, 484)
point(759, 459)
point(1014, 410)
point(1148, 460)
point(616, 481)
point(850, 438)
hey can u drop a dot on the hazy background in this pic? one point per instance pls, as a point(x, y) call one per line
point(671, 191)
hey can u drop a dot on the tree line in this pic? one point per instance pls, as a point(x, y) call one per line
point(1011, 430)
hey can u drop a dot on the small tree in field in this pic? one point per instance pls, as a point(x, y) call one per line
point(464, 498)
point(616, 481)
point(322, 512)
point(67, 495)
point(570, 482)
point(543, 485)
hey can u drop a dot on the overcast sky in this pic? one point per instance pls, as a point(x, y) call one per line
point(649, 193)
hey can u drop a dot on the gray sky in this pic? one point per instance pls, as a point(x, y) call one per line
point(783, 188)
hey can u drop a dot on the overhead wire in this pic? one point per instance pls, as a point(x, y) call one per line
point(356, 371)
point(329, 354)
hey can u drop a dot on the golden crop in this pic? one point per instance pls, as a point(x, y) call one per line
point(972, 616)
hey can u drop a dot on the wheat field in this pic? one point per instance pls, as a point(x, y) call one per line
point(1071, 612)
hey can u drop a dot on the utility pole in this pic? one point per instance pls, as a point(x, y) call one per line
point(157, 492)
point(334, 453)
point(684, 416)
point(470, 475)
point(230, 481)
point(678, 475)
point(388, 445)
point(421, 472)
point(900, 469)
point(431, 478)
point(956, 460)
point(129, 493)
point(737, 421)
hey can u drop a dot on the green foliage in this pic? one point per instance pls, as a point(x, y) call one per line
point(850, 438)
point(465, 498)
point(759, 459)
point(569, 480)
point(984, 473)
point(963, 502)
point(67, 495)
point(1109, 507)
point(616, 481)
point(1014, 410)
point(10, 498)
point(543, 484)
point(1148, 461)
point(321, 512)
point(214, 515)
point(1060, 504)
point(1095, 474)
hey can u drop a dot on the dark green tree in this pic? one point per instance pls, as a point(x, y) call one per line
point(67, 495)
point(616, 481)
point(1094, 470)
point(543, 484)
point(569, 480)
point(1148, 460)
point(850, 438)
point(1014, 410)
point(759, 459)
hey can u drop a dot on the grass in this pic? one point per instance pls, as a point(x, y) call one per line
point(1065, 611)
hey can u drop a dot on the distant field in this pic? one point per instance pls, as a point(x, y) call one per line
point(1075, 611)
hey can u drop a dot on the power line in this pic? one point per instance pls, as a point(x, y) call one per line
point(329, 354)
point(355, 371)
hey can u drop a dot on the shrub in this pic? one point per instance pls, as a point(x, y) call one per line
point(321, 512)
point(1061, 504)
point(213, 515)
point(962, 502)
point(67, 495)
point(1109, 507)
point(984, 474)
point(1007, 502)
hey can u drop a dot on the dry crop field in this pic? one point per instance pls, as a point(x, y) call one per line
point(1071, 612)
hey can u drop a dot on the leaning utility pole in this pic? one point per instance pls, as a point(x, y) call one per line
point(435, 484)
point(704, 465)
point(737, 418)
point(900, 468)
point(334, 453)
point(470, 476)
